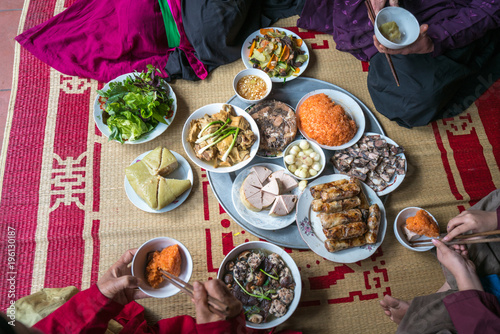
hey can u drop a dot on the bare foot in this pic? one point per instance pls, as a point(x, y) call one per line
point(445, 287)
point(394, 308)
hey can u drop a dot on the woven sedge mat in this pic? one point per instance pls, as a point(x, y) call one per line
point(63, 194)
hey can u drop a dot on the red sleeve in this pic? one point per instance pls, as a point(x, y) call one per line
point(88, 311)
point(235, 325)
point(474, 311)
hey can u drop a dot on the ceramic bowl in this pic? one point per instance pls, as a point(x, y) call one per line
point(400, 222)
point(313, 146)
point(257, 73)
point(407, 23)
point(211, 109)
point(140, 262)
point(288, 261)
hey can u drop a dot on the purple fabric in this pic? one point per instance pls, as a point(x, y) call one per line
point(452, 24)
point(101, 39)
point(474, 311)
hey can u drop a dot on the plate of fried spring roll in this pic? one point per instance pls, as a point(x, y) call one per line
point(341, 218)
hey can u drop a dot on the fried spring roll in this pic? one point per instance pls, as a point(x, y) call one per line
point(344, 191)
point(373, 224)
point(316, 190)
point(329, 220)
point(346, 231)
point(338, 245)
point(317, 205)
point(336, 206)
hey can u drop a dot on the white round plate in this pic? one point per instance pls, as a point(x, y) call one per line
point(211, 109)
point(140, 262)
point(260, 219)
point(351, 108)
point(158, 130)
point(183, 172)
point(248, 42)
point(311, 231)
point(397, 179)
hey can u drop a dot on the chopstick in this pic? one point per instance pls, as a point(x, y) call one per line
point(459, 242)
point(463, 236)
point(214, 305)
point(461, 239)
point(371, 15)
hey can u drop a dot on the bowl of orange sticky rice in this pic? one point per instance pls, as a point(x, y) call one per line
point(330, 118)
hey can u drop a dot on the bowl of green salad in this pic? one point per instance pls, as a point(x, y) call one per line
point(135, 107)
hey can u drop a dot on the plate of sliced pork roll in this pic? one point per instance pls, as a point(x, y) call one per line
point(266, 196)
point(341, 219)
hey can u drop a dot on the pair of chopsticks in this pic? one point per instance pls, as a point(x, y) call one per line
point(460, 239)
point(371, 15)
point(214, 305)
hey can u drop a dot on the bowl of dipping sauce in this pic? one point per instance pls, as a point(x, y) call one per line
point(252, 85)
point(396, 28)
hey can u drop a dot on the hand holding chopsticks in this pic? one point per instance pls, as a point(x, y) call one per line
point(212, 299)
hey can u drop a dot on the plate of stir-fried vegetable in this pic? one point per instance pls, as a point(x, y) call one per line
point(279, 52)
point(220, 138)
point(135, 107)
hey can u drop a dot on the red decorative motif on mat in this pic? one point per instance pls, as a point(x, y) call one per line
point(94, 276)
point(206, 208)
point(311, 34)
point(96, 174)
point(365, 66)
point(324, 282)
point(470, 161)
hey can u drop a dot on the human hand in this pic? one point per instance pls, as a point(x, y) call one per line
point(423, 44)
point(457, 262)
point(118, 283)
point(471, 220)
point(379, 4)
point(217, 289)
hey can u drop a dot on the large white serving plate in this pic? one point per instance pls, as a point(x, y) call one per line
point(351, 107)
point(397, 179)
point(158, 130)
point(311, 231)
point(248, 42)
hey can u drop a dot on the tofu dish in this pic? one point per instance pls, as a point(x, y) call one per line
point(262, 282)
point(223, 139)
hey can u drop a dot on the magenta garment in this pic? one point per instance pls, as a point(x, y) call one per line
point(474, 311)
point(452, 23)
point(104, 39)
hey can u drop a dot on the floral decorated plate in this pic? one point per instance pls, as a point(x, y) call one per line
point(311, 231)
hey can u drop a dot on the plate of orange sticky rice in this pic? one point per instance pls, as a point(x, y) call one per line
point(330, 118)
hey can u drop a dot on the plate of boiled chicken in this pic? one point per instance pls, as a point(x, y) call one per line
point(266, 196)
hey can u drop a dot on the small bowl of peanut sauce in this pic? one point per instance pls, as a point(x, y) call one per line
point(252, 85)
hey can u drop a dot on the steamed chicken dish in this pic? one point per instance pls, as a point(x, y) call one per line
point(223, 139)
point(262, 282)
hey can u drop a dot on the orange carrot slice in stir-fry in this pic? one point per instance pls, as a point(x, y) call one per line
point(265, 31)
point(298, 41)
point(252, 47)
point(285, 53)
point(270, 65)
